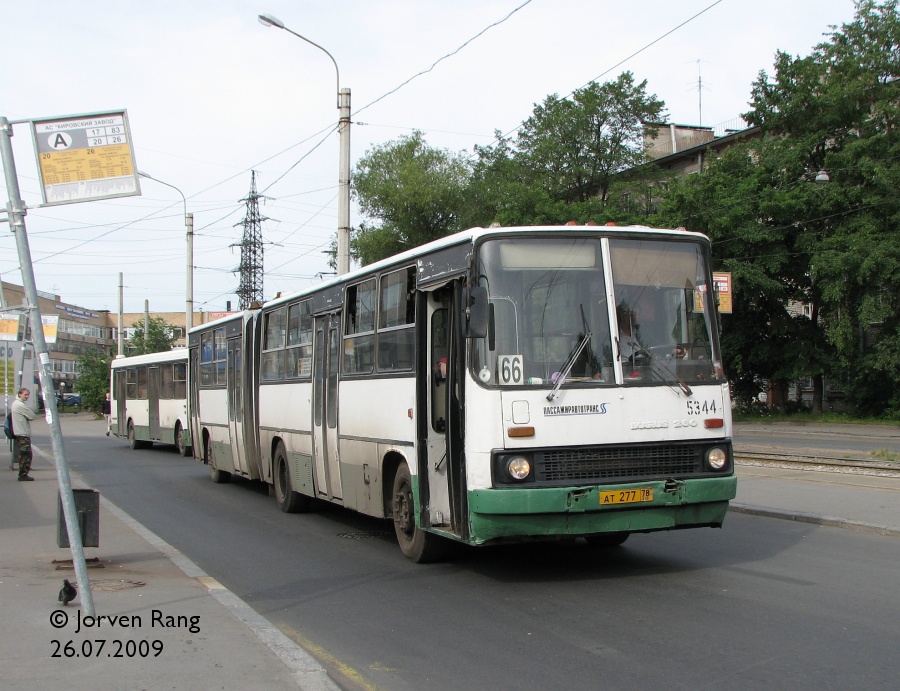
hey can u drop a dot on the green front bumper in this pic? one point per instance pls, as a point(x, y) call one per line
point(523, 512)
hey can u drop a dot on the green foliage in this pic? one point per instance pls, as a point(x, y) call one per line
point(93, 379)
point(413, 192)
point(159, 337)
point(790, 241)
point(574, 147)
point(564, 162)
point(561, 167)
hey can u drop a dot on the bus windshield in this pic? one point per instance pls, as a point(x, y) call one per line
point(553, 315)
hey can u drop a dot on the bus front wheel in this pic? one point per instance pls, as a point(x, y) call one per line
point(416, 544)
point(288, 500)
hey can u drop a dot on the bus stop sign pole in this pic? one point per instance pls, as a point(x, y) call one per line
point(16, 212)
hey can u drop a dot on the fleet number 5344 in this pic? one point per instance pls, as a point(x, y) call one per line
point(701, 407)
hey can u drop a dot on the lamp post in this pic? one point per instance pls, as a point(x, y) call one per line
point(189, 229)
point(343, 104)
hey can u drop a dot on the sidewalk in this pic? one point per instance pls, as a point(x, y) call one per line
point(862, 500)
point(149, 596)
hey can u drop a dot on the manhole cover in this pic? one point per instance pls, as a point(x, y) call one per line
point(364, 535)
point(113, 584)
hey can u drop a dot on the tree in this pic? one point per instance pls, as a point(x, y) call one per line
point(833, 248)
point(159, 337)
point(839, 110)
point(575, 146)
point(93, 379)
point(748, 201)
point(563, 163)
point(412, 193)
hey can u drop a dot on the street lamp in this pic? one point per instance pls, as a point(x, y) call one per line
point(343, 104)
point(189, 229)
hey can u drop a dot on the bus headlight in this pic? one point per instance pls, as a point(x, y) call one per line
point(716, 458)
point(518, 467)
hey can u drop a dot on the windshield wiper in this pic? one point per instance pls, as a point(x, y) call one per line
point(568, 365)
point(659, 365)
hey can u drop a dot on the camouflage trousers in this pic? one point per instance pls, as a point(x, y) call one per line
point(22, 452)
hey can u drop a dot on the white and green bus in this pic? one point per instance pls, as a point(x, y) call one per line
point(497, 384)
point(149, 400)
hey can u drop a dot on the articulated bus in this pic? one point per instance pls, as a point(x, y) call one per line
point(149, 400)
point(497, 384)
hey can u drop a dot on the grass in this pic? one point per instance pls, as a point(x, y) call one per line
point(885, 455)
point(823, 419)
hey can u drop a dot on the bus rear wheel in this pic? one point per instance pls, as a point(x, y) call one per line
point(218, 476)
point(133, 442)
point(416, 544)
point(288, 500)
point(182, 448)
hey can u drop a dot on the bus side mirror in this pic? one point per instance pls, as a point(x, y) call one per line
point(476, 311)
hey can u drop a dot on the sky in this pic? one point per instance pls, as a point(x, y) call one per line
point(211, 95)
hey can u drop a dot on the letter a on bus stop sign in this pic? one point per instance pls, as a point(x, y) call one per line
point(85, 157)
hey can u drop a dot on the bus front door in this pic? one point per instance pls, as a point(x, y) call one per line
point(325, 406)
point(435, 373)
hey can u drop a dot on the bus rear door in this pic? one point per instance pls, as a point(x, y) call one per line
point(326, 363)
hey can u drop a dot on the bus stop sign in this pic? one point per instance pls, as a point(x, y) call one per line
point(85, 157)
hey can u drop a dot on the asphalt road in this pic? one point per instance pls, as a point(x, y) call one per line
point(761, 602)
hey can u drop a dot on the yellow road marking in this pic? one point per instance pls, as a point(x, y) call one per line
point(324, 656)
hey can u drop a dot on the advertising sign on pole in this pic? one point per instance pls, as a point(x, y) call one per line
point(50, 326)
point(722, 285)
point(9, 327)
point(85, 157)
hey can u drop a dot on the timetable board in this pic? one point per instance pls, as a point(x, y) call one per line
point(85, 157)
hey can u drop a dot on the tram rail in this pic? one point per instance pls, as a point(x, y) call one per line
point(820, 462)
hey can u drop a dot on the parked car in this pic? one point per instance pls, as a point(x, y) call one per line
point(70, 399)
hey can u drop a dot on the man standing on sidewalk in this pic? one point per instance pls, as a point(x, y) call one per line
point(22, 416)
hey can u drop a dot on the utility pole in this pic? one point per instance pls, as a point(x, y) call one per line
point(121, 334)
point(250, 270)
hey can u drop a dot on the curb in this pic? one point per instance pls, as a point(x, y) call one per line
point(829, 521)
point(308, 673)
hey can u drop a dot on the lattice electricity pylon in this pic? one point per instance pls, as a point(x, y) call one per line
point(250, 290)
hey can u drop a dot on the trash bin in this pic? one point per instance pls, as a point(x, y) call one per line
point(87, 512)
